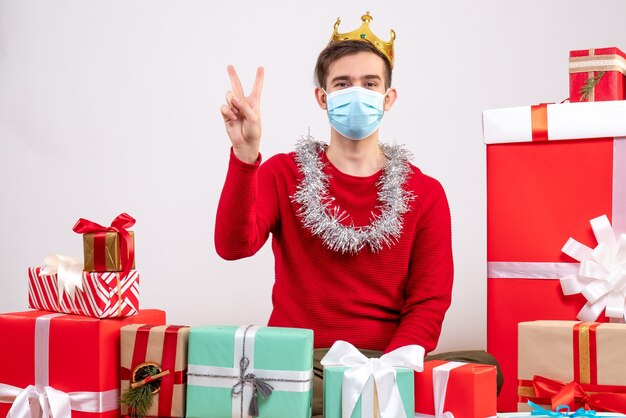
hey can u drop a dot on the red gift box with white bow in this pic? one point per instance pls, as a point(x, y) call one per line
point(63, 365)
point(550, 170)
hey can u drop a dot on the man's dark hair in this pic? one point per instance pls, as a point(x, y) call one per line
point(337, 50)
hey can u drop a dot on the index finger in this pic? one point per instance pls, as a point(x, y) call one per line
point(234, 81)
point(258, 83)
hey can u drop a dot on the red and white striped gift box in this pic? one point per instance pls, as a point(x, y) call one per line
point(103, 294)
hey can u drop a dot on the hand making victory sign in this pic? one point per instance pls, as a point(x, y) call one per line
point(242, 116)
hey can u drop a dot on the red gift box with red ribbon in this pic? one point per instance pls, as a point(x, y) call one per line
point(465, 390)
point(550, 170)
point(150, 349)
point(578, 364)
point(597, 74)
point(100, 295)
point(64, 365)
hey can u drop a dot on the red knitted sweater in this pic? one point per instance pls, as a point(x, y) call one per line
point(378, 301)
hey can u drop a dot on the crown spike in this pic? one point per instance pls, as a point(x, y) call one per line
point(364, 33)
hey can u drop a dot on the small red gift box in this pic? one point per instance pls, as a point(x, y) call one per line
point(597, 74)
point(466, 390)
point(68, 363)
point(550, 169)
point(103, 295)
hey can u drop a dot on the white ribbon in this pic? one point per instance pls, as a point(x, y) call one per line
point(529, 270)
point(441, 375)
point(43, 401)
point(69, 271)
point(601, 277)
point(382, 370)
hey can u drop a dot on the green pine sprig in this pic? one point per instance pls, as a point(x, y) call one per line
point(139, 398)
point(586, 90)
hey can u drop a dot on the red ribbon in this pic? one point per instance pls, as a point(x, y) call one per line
point(119, 225)
point(539, 120)
point(573, 395)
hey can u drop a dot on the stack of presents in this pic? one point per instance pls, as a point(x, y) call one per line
point(87, 350)
point(556, 211)
point(556, 243)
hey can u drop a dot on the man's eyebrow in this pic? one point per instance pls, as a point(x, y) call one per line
point(365, 77)
point(340, 78)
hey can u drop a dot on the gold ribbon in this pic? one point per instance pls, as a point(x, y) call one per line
point(584, 356)
point(119, 295)
point(612, 62)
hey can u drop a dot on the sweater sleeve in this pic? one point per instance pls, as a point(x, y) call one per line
point(429, 285)
point(247, 210)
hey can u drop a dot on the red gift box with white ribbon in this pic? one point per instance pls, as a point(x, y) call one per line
point(550, 170)
point(62, 365)
point(455, 389)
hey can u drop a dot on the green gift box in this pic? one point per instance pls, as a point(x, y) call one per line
point(361, 387)
point(230, 369)
point(333, 383)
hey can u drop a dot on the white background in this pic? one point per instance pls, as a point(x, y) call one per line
point(113, 106)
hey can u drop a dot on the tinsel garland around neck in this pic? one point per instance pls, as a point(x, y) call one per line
point(319, 216)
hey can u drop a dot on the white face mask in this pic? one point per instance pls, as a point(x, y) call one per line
point(355, 112)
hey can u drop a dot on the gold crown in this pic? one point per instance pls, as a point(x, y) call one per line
point(365, 34)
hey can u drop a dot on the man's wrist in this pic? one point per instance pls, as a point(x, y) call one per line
point(248, 155)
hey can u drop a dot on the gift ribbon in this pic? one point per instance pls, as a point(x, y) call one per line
point(69, 271)
point(42, 400)
point(601, 277)
point(441, 375)
point(565, 271)
point(605, 62)
point(119, 225)
point(361, 371)
point(245, 381)
point(561, 411)
point(573, 394)
point(539, 122)
point(585, 353)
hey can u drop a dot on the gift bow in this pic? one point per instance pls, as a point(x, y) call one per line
point(52, 402)
point(119, 225)
point(601, 276)
point(573, 395)
point(48, 402)
point(69, 271)
point(381, 369)
point(561, 411)
point(260, 387)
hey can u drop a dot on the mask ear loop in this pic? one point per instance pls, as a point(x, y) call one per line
point(385, 99)
point(325, 100)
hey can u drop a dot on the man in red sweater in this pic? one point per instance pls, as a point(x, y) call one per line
point(361, 237)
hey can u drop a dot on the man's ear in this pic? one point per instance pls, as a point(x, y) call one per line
point(390, 98)
point(320, 96)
